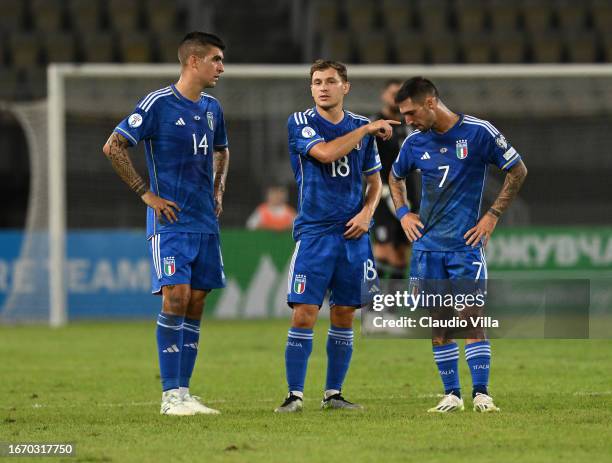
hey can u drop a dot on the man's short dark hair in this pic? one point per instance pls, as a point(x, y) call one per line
point(322, 65)
point(417, 89)
point(195, 43)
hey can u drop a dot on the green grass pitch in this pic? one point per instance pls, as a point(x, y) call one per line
point(96, 385)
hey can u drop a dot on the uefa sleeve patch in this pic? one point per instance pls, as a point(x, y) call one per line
point(501, 142)
point(135, 120)
point(308, 132)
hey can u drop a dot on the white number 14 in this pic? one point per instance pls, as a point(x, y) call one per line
point(203, 144)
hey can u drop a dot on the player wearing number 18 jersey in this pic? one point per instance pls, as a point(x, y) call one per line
point(452, 152)
point(331, 151)
point(186, 147)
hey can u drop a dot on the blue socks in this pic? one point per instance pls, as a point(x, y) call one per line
point(339, 353)
point(169, 347)
point(447, 359)
point(478, 356)
point(299, 347)
point(191, 337)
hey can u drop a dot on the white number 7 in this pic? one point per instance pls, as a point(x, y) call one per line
point(445, 169)
point(479, 268)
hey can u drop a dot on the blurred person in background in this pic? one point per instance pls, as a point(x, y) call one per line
point(274, 214)
point(391, 247)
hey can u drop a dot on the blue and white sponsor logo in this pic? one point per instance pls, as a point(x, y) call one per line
point(135, 120)
point(210, 118)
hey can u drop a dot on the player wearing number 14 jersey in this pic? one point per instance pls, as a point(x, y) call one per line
point(331, 151)
point(452, 152)
point(183, 132)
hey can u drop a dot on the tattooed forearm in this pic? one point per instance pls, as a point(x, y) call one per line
point(116, 151)
point(398, 191)
point(220, 166)
point(512, 184)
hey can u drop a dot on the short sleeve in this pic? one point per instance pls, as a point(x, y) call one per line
point(372, 162)
point(220, 135)
point(404, 163)
point(497, 150)
point(138, 126)
point(302, 136)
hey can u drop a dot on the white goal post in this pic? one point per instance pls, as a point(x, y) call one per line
point(473, 77)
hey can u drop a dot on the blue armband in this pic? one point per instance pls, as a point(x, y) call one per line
point(401, 212)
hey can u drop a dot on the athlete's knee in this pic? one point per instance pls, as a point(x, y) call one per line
point(304, 316)
point(176, 299)
point(196, 304)
point(342, 317)
point(440, 341)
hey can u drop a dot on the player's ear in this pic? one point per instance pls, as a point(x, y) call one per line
point(193, 61)
point(346, 86)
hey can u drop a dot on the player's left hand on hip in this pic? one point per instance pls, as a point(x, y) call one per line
point(481, 232)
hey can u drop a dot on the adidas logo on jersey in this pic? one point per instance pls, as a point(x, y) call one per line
point(426, 156)
point(180, 121)
point(171, 350)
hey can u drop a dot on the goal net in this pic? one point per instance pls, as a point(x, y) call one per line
point(82, 252)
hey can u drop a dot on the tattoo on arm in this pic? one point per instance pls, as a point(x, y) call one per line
point(398, 191)
point(220, 166)
point(116, 151)
point(512, 184)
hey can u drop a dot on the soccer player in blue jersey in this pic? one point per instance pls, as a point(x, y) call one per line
point(331, 150)
point(183, 131)
point(453, 152)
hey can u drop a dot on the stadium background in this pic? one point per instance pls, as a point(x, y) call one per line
point(559, 125)
point(95, 382)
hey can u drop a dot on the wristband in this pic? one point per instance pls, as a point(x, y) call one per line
point(401, 212)
point(494, 212)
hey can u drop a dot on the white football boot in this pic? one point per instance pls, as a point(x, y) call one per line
point(484, 404)
point(292, 404)
point(172, 404)
point(195, 403)
point(449, 403)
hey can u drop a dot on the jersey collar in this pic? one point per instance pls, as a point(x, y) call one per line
point(449, 131)
point(331, 124)
point(182, 98)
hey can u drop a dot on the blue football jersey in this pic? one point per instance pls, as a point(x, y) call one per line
point(453, 166)
point(179, 136)
point(329, 194)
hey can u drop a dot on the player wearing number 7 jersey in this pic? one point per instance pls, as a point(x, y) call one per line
point(453, 152)
point(331, 150)
point(185, 141)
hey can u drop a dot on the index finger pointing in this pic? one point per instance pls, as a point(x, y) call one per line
point(393, 122)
